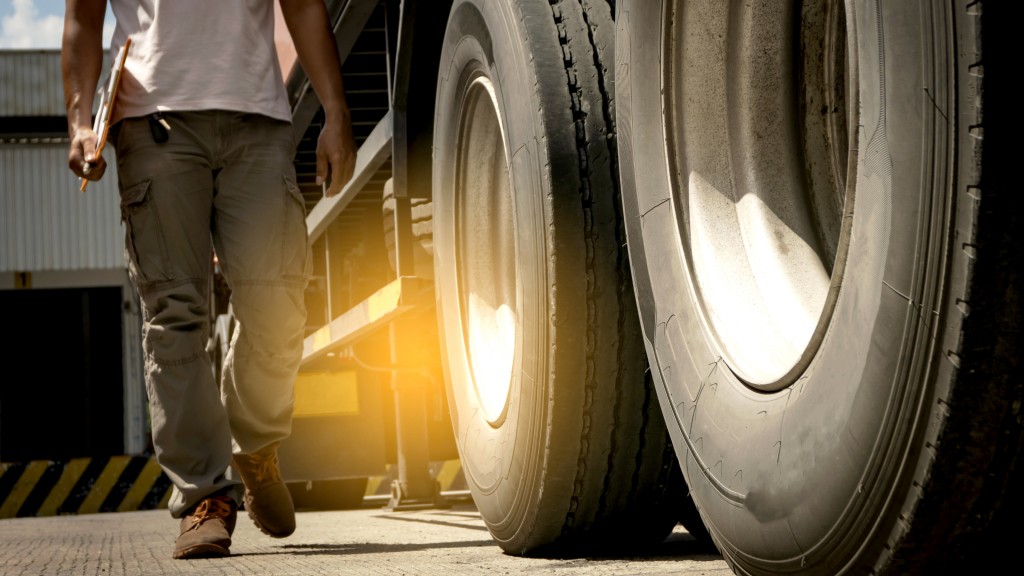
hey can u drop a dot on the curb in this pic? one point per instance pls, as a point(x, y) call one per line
point(124, 483)
point(82, 486)
point(448, 474)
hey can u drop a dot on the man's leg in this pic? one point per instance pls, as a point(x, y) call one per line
point(166, 198)
point(260, 237)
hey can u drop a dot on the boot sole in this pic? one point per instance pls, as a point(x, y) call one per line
point(255, 519)
point(264, 530)
point(208, 550)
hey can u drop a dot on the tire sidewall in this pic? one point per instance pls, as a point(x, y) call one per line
point(502, 461)
point(785, 478)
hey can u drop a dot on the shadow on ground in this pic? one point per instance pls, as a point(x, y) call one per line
point(677, 545)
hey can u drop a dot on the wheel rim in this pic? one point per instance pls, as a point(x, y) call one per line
point(759, 157)
point(485, 245)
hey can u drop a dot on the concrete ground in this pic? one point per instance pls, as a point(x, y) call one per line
point(368, 541)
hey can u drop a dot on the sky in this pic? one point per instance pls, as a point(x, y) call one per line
point(38, 24)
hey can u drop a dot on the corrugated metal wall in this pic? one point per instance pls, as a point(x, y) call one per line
point(30, 82)
point(46, 223)
point(63, 237)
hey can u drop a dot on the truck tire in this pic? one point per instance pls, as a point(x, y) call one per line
point(827, 262)
point(559, 434)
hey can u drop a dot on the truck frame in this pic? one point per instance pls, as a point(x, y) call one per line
point(736, 265)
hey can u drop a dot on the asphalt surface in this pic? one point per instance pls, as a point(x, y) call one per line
point(367, 541)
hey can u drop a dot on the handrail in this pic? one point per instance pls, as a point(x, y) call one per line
point(371, 156)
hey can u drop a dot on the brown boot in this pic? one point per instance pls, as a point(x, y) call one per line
point(206, 530)
point(267, 499)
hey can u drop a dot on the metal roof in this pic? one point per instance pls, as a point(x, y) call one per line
point(31, 82)
point(45, 222)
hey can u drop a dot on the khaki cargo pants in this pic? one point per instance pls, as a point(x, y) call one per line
point(222, 180)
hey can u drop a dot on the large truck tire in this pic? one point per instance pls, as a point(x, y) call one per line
point(827, 260)
point(558, 430)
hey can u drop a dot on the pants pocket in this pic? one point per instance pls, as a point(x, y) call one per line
point(297, 257)
point(144, 248)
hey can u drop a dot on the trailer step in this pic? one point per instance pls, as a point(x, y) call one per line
point(375, 312)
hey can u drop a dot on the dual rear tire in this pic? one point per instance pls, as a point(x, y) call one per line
point(827, 263)
point(561, 440)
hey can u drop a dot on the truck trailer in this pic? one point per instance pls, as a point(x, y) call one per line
point(747, 265)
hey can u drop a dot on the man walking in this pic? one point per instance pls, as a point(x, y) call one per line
point(204, 158)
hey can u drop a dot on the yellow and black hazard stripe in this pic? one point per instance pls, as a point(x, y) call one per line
point(82, 486)
point(123, 483)
point(448, 474)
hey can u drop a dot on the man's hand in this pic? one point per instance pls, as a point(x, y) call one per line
point(82, 157)
point(336, 149)
point(309, 26)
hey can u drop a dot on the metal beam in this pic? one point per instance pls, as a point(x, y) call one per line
point(377, 311)
point(371, 156)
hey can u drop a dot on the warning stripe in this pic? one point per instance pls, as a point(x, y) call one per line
point(136, 496)
point(159, 495)
point(42, 489)
point(374, 485)
point(448, 474)
point(22, 488)
point(123, 483)
point(82, 486)
point(9, 475)
point(103, 485)
point(60, 491)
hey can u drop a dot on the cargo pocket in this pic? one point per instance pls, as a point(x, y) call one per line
point(143, 238)
point(296, 255)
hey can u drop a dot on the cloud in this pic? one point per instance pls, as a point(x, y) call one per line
point(27, 29)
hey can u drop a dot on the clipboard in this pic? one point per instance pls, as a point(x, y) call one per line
point(108, 96)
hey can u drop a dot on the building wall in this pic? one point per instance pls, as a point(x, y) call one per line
point(30, 83)
point(74, 384)
point(46, 223)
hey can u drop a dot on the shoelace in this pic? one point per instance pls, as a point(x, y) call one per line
point(264, 466)
point(211, 509)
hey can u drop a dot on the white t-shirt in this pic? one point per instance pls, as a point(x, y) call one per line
point(198, 55)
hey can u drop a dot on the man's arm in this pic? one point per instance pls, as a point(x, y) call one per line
point(309, 26)
point(81, 60)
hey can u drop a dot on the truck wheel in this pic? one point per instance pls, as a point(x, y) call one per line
point(560, 437)
point(827, 262)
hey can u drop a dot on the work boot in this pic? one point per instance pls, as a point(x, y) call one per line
point(206, 530)
point(267, 499)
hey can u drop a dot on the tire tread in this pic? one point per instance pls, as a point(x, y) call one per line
point(631, 452)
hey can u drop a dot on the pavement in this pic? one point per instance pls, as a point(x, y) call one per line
point(366, 541)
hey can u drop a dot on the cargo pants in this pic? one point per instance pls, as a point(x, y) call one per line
point(225, 181)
